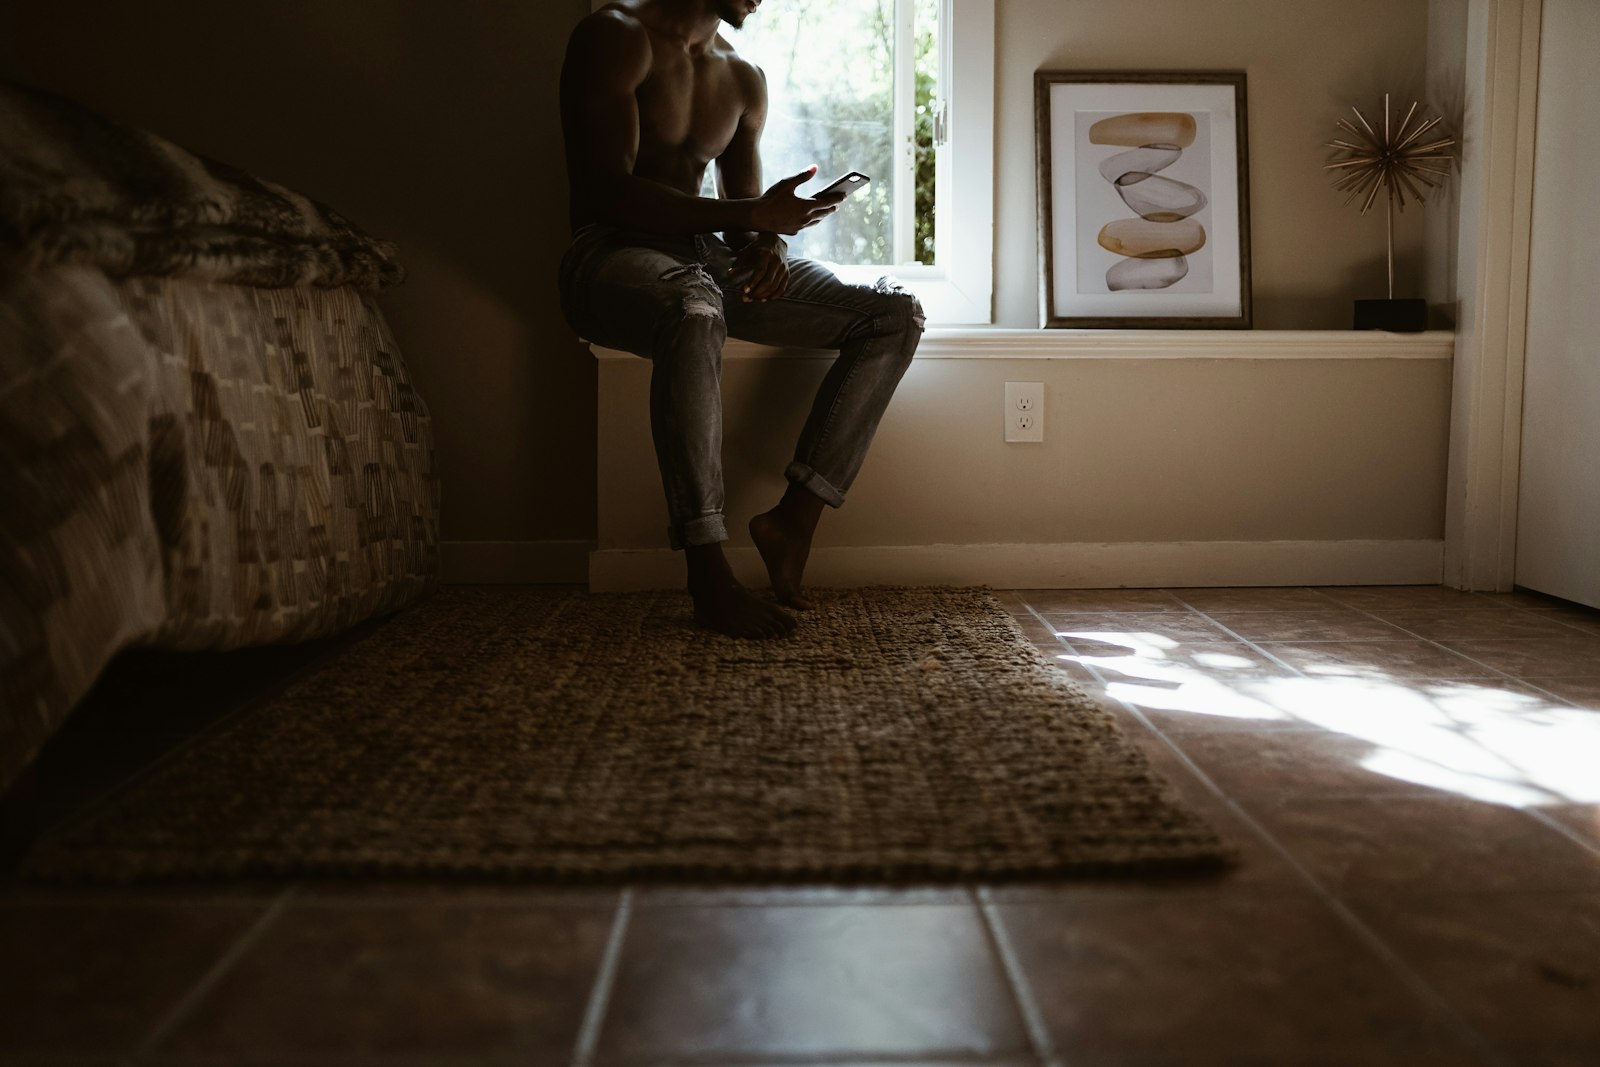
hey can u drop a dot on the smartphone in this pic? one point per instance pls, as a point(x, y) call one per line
point(847, 184)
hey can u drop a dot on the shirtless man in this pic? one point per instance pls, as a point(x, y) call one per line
point(651, 94)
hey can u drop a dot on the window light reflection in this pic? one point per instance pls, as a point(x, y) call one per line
point(1489, 740)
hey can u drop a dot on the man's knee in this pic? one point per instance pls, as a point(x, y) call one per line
point(688, 292)
point(688, 314)
point(900, 305)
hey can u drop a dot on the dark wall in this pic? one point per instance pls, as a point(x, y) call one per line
point(431, 124)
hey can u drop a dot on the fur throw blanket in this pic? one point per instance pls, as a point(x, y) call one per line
point(78, 188)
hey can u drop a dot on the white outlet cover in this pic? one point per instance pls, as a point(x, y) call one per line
point(1024, 412)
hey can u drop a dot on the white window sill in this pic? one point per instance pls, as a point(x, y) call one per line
point(967, 342)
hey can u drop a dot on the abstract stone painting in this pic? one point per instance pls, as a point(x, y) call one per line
point(1153, 228)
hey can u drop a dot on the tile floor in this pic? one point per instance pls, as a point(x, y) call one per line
point(1413, 775)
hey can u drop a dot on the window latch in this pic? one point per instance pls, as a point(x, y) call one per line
point(941, 122)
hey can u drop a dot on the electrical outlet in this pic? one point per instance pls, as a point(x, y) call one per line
point(1024, 411)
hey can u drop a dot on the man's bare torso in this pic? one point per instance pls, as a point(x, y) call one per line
point(690, 100)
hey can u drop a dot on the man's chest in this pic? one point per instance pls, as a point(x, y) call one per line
point(689, 105)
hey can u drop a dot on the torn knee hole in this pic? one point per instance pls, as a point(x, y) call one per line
point(901, 296)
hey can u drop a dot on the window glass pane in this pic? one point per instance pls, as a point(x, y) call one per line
point(830, 83)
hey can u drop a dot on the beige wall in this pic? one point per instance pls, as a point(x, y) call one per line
point(1135, 450)
point(1308, 61)
point(436, 125)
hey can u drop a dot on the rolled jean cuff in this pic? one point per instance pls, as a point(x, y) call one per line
point(704, 530)
point(802, 475)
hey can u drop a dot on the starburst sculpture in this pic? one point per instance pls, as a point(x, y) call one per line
point(1393, 164)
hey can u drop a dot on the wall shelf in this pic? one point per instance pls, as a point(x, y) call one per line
point(996, 343)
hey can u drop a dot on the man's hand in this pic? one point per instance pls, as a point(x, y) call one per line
point(764, 260)
point(779, 210)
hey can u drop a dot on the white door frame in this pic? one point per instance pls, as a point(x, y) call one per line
point(1501, 95)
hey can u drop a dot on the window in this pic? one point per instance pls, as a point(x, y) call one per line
point(902, 90)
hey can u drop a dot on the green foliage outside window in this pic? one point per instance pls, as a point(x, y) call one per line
point(829, 67)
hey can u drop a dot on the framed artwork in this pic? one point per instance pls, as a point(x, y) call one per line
point(1144, 199)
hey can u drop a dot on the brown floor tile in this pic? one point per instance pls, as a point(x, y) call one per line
point(85, 978)
point(1523, 969)
point(1446, 625)
point(1376, 597)
point(1422, 844)
point(1243, 979)
point(1036, 631)
point(1581, 692)
point(1556, 658)
point(1492, 740)
point(1376, 660)
point(1013, 603)
point(1251, 598)
point(787, 982)
point(1190, 661)
point(409, 892)
point(1342, 625)
point(1260, 866)
point(757, 896)
point(1270, 767)
point(1009, 1061)
point(176, 893)
point(1069, 663)
point(1100, 600)
point(1584, 624)
point(1137, 629)
point(1221, 714)
point(1196, 701)
point(1582, 819)
point(1530, 600)
point(441, 981)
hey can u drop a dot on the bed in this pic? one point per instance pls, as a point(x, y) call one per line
point(208, 437)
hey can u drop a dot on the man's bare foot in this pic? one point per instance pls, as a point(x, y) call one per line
point(784, 545)
point(784, 551)
point(723, 605)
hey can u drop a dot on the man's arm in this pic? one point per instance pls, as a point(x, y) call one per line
point(607, 59)
point(761, 253)
point(739, 166)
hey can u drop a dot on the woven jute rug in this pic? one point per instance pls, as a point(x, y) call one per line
point(903, 734)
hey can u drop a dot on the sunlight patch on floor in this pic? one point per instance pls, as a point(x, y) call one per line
point(1485, 740)
point(1490, 740)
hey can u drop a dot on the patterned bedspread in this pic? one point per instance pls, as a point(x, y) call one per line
point(78, 188)
point(186, 462)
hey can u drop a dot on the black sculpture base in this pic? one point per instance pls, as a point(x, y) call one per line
point(1399, 316)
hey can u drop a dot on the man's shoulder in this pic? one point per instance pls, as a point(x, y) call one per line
point(611, 44)
point(745, 70)
point(613, 26)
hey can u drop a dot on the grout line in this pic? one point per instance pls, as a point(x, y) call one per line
point(1549, 615)
point(600, 993)
point(1021, 991)
point(1554, 697)
point(1397, 965)
point(1252, 645)
point(209, 980)
point(1563, 829)
point(1446, 648)
point(1410, 634)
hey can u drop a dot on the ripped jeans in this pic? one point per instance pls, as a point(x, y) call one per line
point(671, 299)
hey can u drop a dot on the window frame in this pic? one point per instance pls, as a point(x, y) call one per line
point(958, 289)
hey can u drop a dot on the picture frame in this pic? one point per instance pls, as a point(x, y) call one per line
point(1144, 199)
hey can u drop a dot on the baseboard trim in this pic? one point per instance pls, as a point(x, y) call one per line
point(514, 562)
point(1175, 564)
